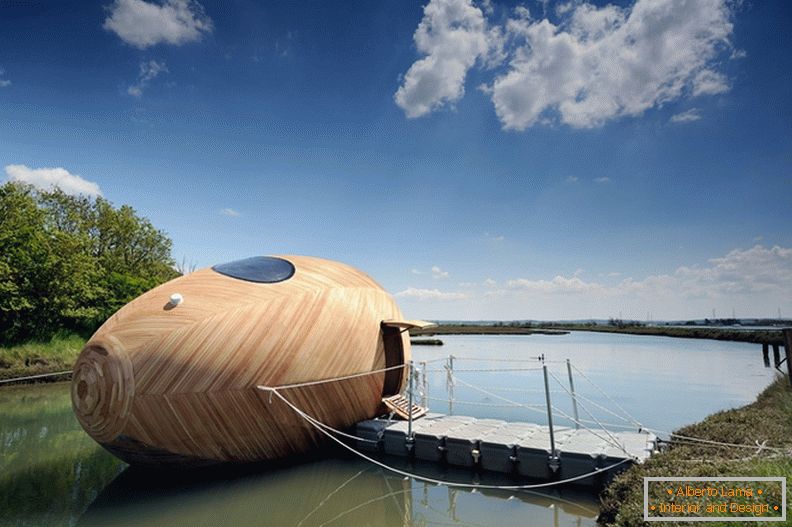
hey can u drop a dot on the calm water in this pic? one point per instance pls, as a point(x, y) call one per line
point(51, 473)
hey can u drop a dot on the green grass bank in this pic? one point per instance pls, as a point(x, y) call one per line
point(768, 419)
point(34, 358)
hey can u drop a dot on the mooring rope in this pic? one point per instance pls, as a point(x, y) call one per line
point(418, 477)
point(621, 446)
point(710, 442)
point(483, 370)
point(30, 377)
point(633, 419)
point(342, 378)
point(614, 442)
point(476, 403)
point(512, 403)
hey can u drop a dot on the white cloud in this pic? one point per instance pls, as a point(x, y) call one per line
point(755, 282)
point(452, 36)
point(230, 212)
point(49, 178)
point(571, 179)
point(429, 294)
point(687, 116)
point(4, 83)
point(708, 82)
point(494, 237)
point(438, 273)
point(143, 24)
point(744, 277)
point(489, 282)
point(602, 180)
point(415, 271)
point(596, 64)
point(148, 71)
point(607, 62)
point(559, 284)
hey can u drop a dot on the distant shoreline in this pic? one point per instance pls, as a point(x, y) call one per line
point(474, 329)
point(756, 337)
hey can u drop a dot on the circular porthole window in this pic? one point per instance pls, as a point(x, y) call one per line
point(261, 269)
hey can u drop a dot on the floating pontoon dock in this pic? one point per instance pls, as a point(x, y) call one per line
point(521, 449)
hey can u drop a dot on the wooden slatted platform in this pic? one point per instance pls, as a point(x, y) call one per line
point(399, 405)
point(521, 449)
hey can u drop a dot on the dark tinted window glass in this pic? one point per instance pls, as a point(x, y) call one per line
point(263, 269)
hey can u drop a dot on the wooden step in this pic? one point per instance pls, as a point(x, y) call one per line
point(399, 405)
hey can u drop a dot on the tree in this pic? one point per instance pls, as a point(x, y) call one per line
point(69, 262)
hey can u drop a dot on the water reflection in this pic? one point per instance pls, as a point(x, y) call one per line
point(326, 492)
point(50, 470)
point(52, 473)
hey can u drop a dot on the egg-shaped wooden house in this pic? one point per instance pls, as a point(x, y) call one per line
point(172, 377)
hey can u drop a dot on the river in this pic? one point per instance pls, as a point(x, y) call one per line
point(52, 473)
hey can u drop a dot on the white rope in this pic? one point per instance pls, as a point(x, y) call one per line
point(710, 442)
point(613, 442)
point(616, 441)
point(336, 379)
point(518, 390)
point(474, 403)
point(633, 419)
point(604, 409)
point(40, 376)
point(513, 403)
point(484, 370)
point(530, 359)
point(395, 470)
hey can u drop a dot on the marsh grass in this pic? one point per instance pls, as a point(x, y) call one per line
point(768, 419)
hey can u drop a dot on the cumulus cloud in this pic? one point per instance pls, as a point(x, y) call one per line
point(602, 180)
point(148, 72)
point(594, 65)
point(429, 294)
point(609, 62)
point(453, 35)
point(708, 82)
point(49, 178)
point(4, 83)
point(144, 24)
point(687, 116)
point(742, 276)
point(559, 284)
point(230, 212)
point(438, 273)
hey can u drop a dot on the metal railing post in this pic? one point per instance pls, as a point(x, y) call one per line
point(553, 461)
point(450, 384)
point(410, 411)
point(424, 385)
point(572, 393)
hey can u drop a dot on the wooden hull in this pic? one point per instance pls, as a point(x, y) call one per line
point(158, 383)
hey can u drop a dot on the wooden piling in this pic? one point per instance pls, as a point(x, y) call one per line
point(766, 354)
point(788, 346)
point(776, 356)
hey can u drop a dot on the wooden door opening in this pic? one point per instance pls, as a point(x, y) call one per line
point(394, 356)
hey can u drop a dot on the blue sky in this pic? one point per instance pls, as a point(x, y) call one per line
point(481, 160)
